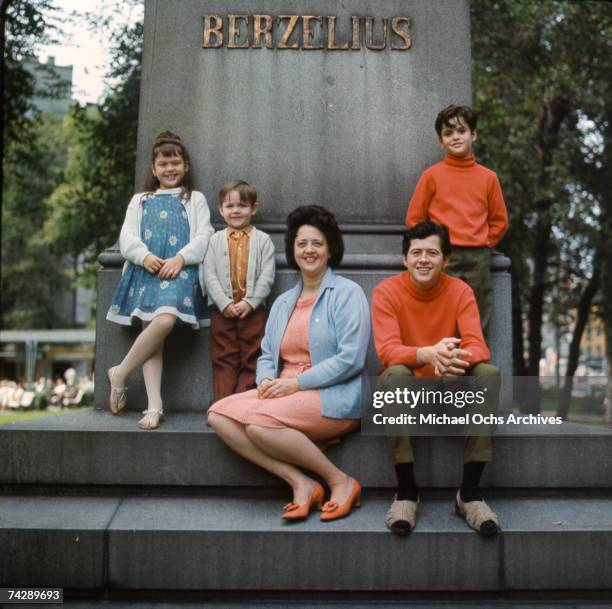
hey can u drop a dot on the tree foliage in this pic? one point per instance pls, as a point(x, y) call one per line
point(540, 70)
point(87, 209)
point(29, 24)
point(32, 165)
point(31, 269)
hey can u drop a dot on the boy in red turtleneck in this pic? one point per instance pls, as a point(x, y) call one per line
point(467, 198)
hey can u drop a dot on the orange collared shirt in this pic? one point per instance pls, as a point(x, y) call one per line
point(238, 242)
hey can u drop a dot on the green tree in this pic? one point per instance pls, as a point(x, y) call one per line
point(31, 274)
point(594, 162)
point(531, 81)
point(29, 24)
point(32, 164)
point(87, 209)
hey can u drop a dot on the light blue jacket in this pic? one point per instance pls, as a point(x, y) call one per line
point(338, 335)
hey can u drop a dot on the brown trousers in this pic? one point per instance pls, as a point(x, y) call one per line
point(234, 349)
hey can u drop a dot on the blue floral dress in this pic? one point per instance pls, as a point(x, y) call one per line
point(164, 230)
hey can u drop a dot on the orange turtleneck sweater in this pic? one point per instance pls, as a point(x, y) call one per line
point(405, 318)
point(463, 195)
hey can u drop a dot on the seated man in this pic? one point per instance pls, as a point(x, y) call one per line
point(426, 323)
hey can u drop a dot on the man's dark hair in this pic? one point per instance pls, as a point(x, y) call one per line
point(325, 221)
point(469, 116)
point(422, 230)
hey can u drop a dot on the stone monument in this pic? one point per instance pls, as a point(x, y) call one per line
point(311, 102)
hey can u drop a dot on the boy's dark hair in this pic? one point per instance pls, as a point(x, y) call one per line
point(169, 144)
point(246, 192)
point(325, 221)
point(469, 116)
point(422, 230)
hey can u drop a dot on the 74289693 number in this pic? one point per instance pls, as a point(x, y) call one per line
point(31, 595)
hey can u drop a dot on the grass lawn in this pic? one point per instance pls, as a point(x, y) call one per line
point(9, 416)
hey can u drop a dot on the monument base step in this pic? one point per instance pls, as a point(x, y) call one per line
point(95, 448)
point(221, 542)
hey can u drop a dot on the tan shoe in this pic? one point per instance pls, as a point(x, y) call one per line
point(478, 515)
point(118, 394)
point(401, 517)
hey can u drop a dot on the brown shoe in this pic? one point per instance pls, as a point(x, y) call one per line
point(401, 517)
point(478, 515)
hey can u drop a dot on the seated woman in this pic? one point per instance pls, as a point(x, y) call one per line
point(308, 375)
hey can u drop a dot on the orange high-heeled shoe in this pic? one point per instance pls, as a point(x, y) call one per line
point(293, 511)
point(332, 510)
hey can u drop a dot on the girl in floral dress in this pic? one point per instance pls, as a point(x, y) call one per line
point(163, 239)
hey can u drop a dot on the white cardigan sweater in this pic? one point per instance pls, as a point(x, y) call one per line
point(260, 270)
point(134, 250)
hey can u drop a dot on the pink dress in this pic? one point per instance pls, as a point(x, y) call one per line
point(300, 410)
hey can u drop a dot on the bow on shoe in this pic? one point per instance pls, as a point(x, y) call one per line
point(330, 506)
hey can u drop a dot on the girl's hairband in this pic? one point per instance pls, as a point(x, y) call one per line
point(167, 141)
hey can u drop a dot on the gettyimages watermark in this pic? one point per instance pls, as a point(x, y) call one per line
point(399, 404)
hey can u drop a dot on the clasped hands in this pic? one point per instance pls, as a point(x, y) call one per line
point(237, 309)
point(164, 269)
point(277, 388)
point(446, 357)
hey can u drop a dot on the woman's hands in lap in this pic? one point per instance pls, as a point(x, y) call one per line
point(277, 388)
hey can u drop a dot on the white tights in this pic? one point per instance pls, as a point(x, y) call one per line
point(147, 351)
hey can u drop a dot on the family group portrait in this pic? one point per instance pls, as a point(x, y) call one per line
point(232, 231)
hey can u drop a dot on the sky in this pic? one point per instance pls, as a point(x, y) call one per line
point(84, 49)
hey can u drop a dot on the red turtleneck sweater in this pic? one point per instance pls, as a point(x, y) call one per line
point(405, 318)
point(463, 195)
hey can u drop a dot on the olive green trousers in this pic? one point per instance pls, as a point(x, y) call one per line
point(476, 447)
point(473, 265)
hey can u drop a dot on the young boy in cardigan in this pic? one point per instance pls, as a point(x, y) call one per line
point(239, 272)
point(467, 198)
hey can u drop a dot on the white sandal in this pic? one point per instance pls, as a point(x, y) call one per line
point(118, 394)
point(159, 416)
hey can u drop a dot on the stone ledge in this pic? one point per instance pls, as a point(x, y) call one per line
point(48, 540)
point(216, 542)
point(95, 448)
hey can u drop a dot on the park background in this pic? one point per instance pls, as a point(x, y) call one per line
point(541, 82)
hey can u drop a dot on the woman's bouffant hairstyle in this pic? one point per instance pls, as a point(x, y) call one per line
point(169, 144)
point(325, 221)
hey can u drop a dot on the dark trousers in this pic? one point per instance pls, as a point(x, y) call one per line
point(473, 265)
point(235, 348)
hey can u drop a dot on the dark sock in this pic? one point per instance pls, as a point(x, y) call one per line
point(471, 480)
point(406, 484)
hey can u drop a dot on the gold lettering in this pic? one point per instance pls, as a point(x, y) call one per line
point(331, 36)
point(369, 27)
point(233, 32)
point(307, 33)
point(356, 31)
point(266, 31)
point(282, 44)
point(398, 38)
point(209, 30)
point(398, 31)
